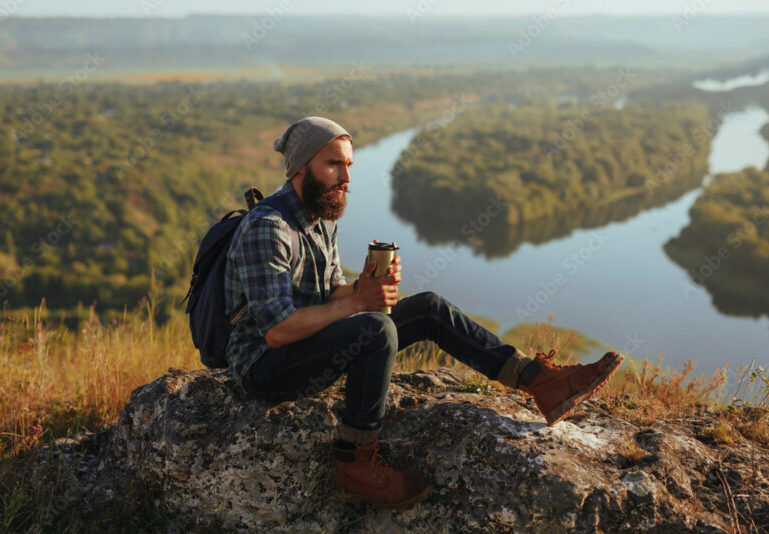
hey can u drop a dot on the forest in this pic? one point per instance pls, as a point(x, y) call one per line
point(549, 169)
point(107, 188)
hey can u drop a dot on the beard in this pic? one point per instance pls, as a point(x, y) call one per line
point(323, 201)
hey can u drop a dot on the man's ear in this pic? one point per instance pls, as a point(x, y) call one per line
point(300, 173)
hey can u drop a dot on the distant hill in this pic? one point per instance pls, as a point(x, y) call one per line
point(220, 41)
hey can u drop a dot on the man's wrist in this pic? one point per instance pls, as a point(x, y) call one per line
point(355, 285)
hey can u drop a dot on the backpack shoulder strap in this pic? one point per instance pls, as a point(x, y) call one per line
point(254, 197)
point(277, 203)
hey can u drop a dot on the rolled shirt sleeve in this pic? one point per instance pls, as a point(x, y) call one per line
point(265, 270)
point(337, 278)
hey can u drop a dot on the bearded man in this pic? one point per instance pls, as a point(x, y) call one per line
point(305, 326)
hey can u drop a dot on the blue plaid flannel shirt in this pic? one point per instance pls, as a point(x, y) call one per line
point(258, 271)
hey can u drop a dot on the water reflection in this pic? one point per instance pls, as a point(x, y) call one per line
point(481, 220)
point(708, 248)
point(628, 294)
point(742, 297)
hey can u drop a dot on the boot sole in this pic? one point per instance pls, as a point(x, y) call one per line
point(563, 410)
point(354, 498)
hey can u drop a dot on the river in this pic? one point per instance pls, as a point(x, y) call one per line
point(613, 283)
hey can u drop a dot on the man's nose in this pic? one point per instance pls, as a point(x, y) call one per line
point(344, 176)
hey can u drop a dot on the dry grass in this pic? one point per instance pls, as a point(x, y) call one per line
point(721, 433)
point(475, 383)
point(640, 392)
point(630, 450)
point(56, 380)
point(643, 396)
point(541, 337)
point(749, 405)
point(753, 428)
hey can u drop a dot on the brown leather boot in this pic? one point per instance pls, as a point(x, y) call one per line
point(363, 475)
point(558, 389)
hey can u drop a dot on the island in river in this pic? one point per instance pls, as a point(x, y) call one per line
point(547, 171)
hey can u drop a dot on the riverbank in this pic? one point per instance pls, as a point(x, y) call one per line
point(613, 282)
point(725, 246)
point(547, 168)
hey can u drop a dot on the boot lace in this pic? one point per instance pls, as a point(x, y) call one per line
point(377, 466)
point(549, 358)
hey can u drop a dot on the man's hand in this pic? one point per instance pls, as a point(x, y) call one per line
point(376, 293)
point(393, 275)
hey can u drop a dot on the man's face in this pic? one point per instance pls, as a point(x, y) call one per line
point(324, 185)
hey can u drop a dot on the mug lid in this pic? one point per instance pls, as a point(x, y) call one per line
point(383, 246)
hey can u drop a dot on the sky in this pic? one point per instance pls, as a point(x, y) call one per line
point(180, 8)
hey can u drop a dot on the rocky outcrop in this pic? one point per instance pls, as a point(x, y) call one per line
point(215, 457)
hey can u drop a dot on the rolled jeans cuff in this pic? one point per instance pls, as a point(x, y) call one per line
point(356, 435)
point(512, 369)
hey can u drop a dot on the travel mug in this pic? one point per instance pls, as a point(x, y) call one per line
point(384, 254)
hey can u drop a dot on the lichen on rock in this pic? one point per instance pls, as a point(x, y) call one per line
point(218, 457)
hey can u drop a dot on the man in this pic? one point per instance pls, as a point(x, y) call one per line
point(305, 326)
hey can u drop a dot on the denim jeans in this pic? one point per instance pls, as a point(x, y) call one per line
point(364, 346)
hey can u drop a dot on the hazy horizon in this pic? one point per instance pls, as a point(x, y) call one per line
point(179, 8)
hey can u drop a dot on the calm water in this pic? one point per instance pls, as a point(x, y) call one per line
point(613, 283)
point(746, 80)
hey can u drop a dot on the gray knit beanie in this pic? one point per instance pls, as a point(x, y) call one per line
point(303, 139)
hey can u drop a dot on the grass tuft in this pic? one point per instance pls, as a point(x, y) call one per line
point(722, 433)
point(630, 450)
point(475, 383)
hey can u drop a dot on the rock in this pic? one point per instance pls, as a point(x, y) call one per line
point(216, 457)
